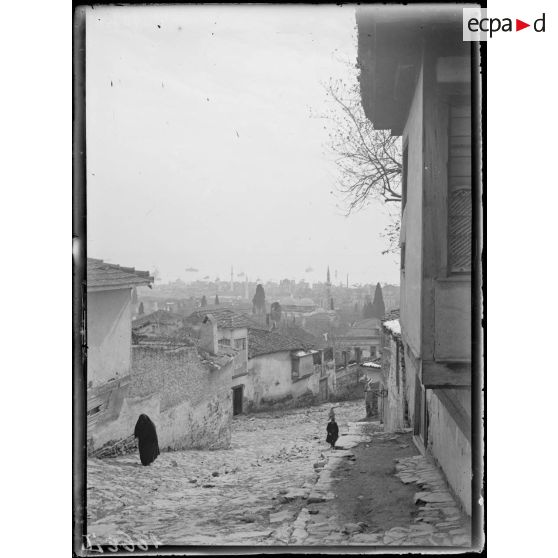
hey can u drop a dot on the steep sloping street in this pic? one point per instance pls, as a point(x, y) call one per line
point(263, 491)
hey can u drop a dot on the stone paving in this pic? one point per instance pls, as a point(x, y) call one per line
point(249, 494)
point(274, 486)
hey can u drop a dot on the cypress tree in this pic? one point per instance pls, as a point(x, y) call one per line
point(216, 299)
point(203, 301)
point(258, 302)
point(378, 306)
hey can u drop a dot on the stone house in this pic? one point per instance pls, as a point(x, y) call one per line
point(282, 367)
point(416, 80)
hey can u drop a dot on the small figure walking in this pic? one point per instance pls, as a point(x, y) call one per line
point(332, 430)
point(148, 443)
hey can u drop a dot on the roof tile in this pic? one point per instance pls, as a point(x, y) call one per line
point(104, 275)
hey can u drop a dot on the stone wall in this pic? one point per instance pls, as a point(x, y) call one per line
point(190, 404)
point(196, 403)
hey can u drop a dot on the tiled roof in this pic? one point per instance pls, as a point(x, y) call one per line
point(164, 341)
point(102, 275)
point(263, 342)
point(308, 340)
point(157, 317)
point(226, 318)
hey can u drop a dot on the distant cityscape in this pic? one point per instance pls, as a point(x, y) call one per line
point(182, 297)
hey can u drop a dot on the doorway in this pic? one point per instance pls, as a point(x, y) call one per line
point(238, 394)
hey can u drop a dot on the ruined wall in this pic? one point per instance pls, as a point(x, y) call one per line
point(190, 405)
point(450, 447)
point(109, 335)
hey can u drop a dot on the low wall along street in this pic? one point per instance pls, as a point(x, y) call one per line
point(189, 402)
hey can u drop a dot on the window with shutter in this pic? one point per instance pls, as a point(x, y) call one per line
point(460, 209)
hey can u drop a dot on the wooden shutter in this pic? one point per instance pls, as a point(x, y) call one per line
point(460, 208)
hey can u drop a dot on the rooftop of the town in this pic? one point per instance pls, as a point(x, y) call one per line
point(157, 317)
point(225, 317)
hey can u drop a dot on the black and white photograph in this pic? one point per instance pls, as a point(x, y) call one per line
point(278, 274)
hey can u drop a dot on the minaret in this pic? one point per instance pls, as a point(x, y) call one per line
point(327, 305)
point(246, 294)
point(232, 279)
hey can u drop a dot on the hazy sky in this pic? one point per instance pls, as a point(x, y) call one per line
point(202, 150)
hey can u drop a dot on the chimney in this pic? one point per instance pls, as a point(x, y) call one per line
point(208, 335)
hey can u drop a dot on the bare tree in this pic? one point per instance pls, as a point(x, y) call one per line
point(369, 160)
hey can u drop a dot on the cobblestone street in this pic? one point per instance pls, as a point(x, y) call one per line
point(215, 497)
point(270, 488)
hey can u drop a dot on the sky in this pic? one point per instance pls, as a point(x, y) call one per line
point(204, 151)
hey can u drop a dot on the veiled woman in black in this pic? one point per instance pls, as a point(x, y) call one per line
point(332, 431)
point(148, 444)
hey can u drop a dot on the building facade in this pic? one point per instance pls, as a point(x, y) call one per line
point(280, 369)
point(416, 80)
point(108, 325)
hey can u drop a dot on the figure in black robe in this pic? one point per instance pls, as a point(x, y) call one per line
point(148, 444)
point(332, 433)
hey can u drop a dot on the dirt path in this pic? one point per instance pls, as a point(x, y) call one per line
point(378, 490)
point(367, 490)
